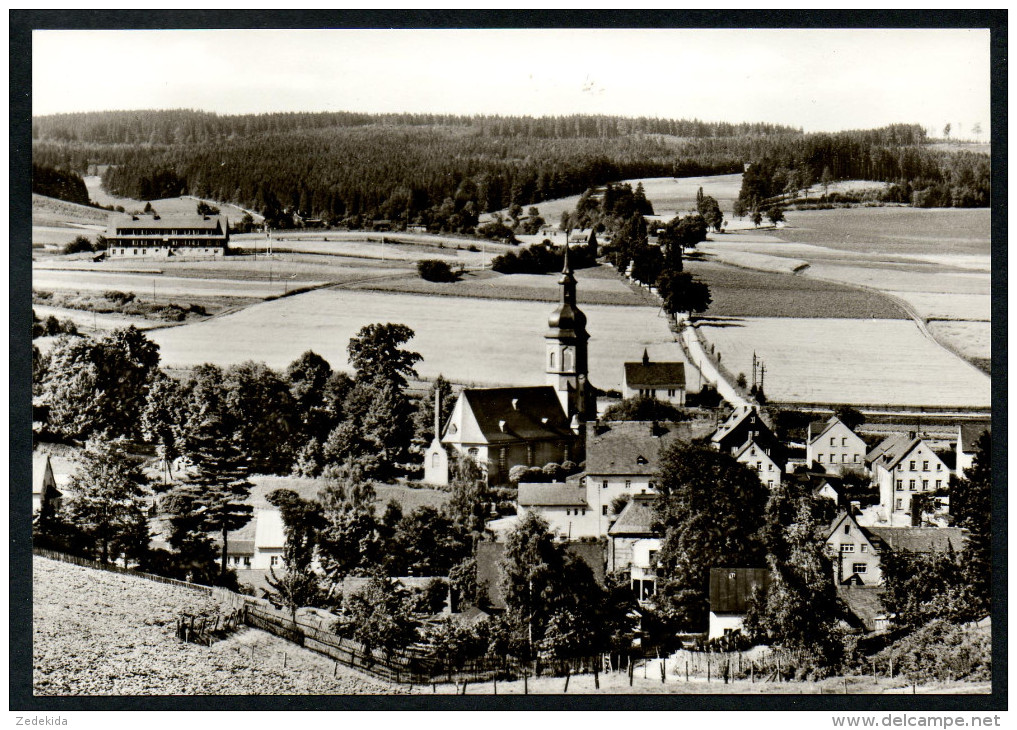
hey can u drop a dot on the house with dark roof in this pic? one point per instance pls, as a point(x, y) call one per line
point(742, 426)
point(623, 458)
point(153, 236)
point(730, 592)
point(664, 381)
point(44, 486)
point(967, 438)
point(855, 549)
point(864, 607)
point(904, 466)
point(562, 504)
point(834, 447)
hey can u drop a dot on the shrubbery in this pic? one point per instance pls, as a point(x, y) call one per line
point(437, 270)
point(542, 258)
point(940, 651)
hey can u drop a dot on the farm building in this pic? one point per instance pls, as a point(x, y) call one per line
point(44, 486)
point(623, 459)
point(834, 447)
point(664, 381)
point(856, 549)
point(147, 236)
point(562, 504)
point(531, 426)
point(904, 466)
point(730, 591)
point(583, 237)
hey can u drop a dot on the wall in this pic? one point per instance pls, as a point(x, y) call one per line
point(912, 481)
point(570, 522)
point(599, 497)
point(847, 450)
point(862, 553)
point(721, 622)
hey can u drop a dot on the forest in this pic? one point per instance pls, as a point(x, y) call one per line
point(444, 171)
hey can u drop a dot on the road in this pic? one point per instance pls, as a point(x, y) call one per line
point(694, 350)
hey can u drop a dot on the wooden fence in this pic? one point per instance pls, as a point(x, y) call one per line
point(112, 568)
point(207, 629)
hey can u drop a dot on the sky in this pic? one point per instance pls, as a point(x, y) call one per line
point(819, 80)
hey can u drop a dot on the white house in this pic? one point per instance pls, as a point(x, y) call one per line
point(269, 539)
point(834, 447)
point(904, 465)
point(730, 591)
point(768, 468)
point(643, 569)
point(623, 458)
point(562, 504)
point(633, 525)
point(664, 381)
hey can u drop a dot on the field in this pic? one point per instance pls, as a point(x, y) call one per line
point(859, 362)
point(744, 293)
point(667, 194)
point(973, 340)
point(165, 206)
point(159, 285)
point(477, 341)
point(48, 211)
point(935, 306)
point(99, 633)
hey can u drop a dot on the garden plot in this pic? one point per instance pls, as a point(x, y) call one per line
point(859, 362)
point(477, 341)
point(100, 633)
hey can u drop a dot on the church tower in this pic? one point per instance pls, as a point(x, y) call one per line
point(566, 364)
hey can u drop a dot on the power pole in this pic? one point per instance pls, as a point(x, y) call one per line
point(754, 361)
point(762, 375)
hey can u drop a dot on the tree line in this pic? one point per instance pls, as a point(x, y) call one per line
point(59, 184)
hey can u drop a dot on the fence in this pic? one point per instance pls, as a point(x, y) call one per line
point(206, 629)
point(112, 568)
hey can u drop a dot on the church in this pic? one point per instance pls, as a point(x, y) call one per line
point(500, 428)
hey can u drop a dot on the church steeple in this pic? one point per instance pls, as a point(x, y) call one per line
point(567, 367)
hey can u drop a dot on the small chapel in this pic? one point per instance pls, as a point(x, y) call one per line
point(500, 428)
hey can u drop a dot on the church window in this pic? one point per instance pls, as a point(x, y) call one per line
point(567, 359)
point(434, 460)
point(550, 360)
point(474, 452)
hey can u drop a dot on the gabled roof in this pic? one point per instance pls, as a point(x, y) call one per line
point(629, 447)
point(210, 223)
point(922, 539)
point(863, 602)
point(892, 449)
point(874, 540)
point(748, 444)
point(819, 428)
point(240, 547)
point(551, 495)
point(731, 588)
point(514, 414)
point(970, 433)
point(734, 421)
point(40, 468)
point(636, 520)
point(654, 374)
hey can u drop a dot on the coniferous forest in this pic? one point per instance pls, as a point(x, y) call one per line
point(444, 171)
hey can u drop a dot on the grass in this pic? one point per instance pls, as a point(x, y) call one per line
point(158, 285)
point(53, 212)
point(744, 293)
point(893, 230)
point(972, 340)
point(100, 633)
point(904, 277)
point(163, 206)
point(859, 362)
point(965, 307)
point(476, 341)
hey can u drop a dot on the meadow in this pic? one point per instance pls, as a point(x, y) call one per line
point(745, 293)
point(101, 633)
point(859, 362)
point(972, 340)
point(472, 341)
point(185, 204)
point(936, 306)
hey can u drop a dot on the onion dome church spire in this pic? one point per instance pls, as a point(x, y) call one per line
point(567, 365)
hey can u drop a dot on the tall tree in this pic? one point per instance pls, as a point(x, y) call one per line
point(300, 584)
point(710, 509)
point(106, 500)
point(376, 351)
point(682, 292)
point(263, 415)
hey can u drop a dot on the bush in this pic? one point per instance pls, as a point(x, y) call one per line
point(436, 270)
point(942, 650)
point(78, 245)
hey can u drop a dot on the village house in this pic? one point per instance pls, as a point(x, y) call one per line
point(634, 524)
point(147, 236)
point(856, 550)
point(583, 237)
point(664, 381)
point(742, 426)
point(903, 466)
point(562, 504)
point(531, 426)
point(623, 459)
point(967, 438)
point(44, 486)
point(730, 591)
point(834, 447)
point(770, 470)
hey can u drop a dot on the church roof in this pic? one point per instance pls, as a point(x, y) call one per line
point(513, 414)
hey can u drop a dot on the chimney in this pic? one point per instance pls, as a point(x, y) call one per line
point(437, 413)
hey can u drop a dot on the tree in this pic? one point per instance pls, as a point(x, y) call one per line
point(643, 408)
point(80, 244)
point(219, 487)
point(308, 377)
point(300, 585)
point(204, 208)
point(709, 210)
point(919, 587)
point(263, 416)
point(850, 417)
point(971, 505)
point(799, 610)
point(379, 615)
point(469, 505)
point(946, 130)
point(376, 351)
point(679, 233)
point(775, 214)
point(429, 542)
point(436, 270)
point(106, 500)
point(647, 263)
point(683, 293)
point(95, 386)
point(161, 419)
point(826, 179)
point(757, 217)
point(710, 510)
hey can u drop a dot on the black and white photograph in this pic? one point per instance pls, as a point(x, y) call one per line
point(510, 361)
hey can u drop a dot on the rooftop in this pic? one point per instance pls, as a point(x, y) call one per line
point(169, 222)
point(629, 447)
point(654, 374)
point(557, 494)
point(921, 539)
point(636, 520)
point(524, 413)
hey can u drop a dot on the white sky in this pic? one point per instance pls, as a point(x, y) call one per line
point(821, 80)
